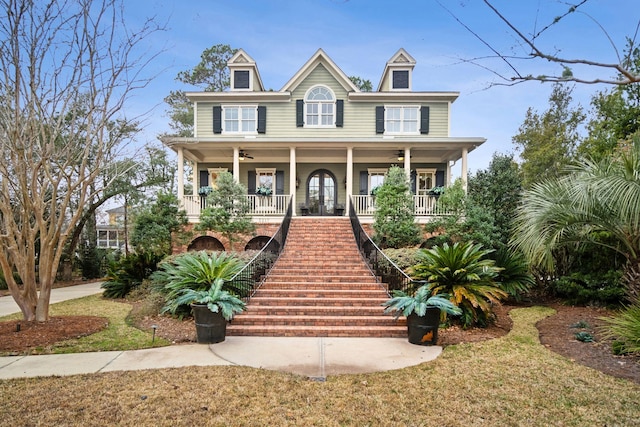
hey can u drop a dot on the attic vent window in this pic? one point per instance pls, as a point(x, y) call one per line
point(241, 79)
point(401, 79)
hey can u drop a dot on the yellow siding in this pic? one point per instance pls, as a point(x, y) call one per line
point(359, 117)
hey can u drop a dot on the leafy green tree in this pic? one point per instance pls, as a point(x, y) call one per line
point(210, 74)
point(547, 142)
point(363, 85)
point(154, 226)
point(227, 210)
point(616, 114)
point(497, 191)
point(465, 273)
point(394, 222)
point(595, 197)
point(466, 220)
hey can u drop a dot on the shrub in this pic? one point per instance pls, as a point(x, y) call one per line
point(404, 258)
point(464, 272)
point(514, 277)
point(128, 273)
point(582, 288)
point(624, 327)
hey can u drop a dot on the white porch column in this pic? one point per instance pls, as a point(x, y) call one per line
point(181, 174)
point(195, 178)
point(349, 189)
point(292, 178)
point(463, 172)
point(447, 177)
point(407, 162)
point(236, 164)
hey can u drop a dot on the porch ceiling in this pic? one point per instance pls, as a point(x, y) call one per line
point(431, 151)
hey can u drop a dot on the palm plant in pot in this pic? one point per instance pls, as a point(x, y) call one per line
point(212, 309)
point(201, 280)
point(423, 311)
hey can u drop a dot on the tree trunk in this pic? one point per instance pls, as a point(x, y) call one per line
point(631, 279)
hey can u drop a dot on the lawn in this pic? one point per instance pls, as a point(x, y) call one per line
point(511, 380)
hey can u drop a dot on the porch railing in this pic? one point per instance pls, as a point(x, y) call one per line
point(384, 269)
point(423, 205)
point(275, 205)
point(252, 275)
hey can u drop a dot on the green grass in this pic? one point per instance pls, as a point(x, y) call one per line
point(118, 335)
point(509, 381)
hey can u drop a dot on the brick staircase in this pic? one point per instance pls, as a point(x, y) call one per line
point(320, 287)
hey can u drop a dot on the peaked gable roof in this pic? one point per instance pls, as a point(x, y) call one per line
point(241, 59)
point(400, 59)
point(320, 57)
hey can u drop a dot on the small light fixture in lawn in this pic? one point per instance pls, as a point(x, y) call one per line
point(153, 338)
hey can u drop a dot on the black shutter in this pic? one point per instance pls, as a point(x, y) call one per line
point(364, 183)
point(251, 183)
point(241, 79)
point(262, 119)
point(299, 113)
point(439, 178)
point(401, 79)
point(380, 119)
point(414, 178)
point(424, 120)
point(279, 182)
point(217, 119)
point(204, 178)
point(339, 113)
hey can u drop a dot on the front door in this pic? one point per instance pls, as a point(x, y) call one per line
point(321, 193)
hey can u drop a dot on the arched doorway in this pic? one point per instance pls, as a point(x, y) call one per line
point(322, 193)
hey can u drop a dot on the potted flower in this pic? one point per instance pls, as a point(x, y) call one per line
point(264, 190)
point(422, 310)
point(212, 309)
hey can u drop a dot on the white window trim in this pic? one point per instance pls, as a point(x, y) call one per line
point(402, 120)
point(307, 102)
point(391, 80)
point(430, 171)
point(239, 108)
point(233, 75)
point(375, 171)
point(267, 171)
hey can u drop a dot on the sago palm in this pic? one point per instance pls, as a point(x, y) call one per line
point(198, 271)
point(463, 272)
point(592, 198)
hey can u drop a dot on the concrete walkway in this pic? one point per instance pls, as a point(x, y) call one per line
point(313, 357)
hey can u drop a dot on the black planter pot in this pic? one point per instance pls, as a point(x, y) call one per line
point(210, 327)
point(423, 330)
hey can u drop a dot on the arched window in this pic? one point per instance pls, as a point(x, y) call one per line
point(320, 107)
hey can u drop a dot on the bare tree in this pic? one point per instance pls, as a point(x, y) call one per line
point(67, 69)
point(532, 49)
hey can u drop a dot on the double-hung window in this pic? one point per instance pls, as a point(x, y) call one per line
point(402, 120)
point(239, 119)
point(320, 107)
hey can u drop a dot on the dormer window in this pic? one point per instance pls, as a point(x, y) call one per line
point(400, 80)
point(319, 105)
point(241, 80)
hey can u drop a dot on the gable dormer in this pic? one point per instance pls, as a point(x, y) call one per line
point(397, 74)
point(244, 73)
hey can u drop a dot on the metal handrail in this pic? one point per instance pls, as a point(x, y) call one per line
point(384, 269)
point(247, 280)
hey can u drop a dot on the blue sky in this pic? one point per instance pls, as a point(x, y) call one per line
point(362, 35)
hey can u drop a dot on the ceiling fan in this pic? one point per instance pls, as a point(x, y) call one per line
point(400, 156)
point(242, 155)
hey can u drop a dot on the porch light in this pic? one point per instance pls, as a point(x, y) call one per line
point(400, 155)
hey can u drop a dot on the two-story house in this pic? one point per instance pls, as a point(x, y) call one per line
point(320, 142)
